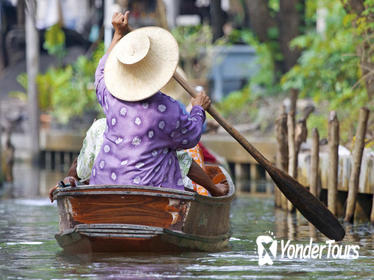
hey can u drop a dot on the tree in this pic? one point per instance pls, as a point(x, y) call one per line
point(363, 22)
point(217, 19)
point(280, 23)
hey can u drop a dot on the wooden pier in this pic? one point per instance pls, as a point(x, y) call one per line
point(343, 179)
point(250, 177)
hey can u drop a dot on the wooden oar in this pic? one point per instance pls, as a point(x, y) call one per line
point(311, 208)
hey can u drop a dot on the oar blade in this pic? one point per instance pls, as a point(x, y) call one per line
point(308, 205)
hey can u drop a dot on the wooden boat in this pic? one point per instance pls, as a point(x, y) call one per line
point(132, 218)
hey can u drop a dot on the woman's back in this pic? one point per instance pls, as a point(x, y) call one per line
point(142, 137)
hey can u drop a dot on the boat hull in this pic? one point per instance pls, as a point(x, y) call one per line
point(149, 219)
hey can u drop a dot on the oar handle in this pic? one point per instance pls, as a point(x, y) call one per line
point(229, 128)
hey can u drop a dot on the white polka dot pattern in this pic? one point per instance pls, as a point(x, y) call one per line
point(138, 121)
point(161, 108)
point(119, 140)
point(161, 125)
point(136, 141)
point(151, 133)
point(137, 180)
point(123, 111)
point(106, 148)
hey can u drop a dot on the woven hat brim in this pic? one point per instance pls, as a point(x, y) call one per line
point(175, 90)
point(143, 79)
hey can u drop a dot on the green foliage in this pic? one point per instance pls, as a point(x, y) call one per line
point(237, 100)
point(196, 48)
point(76, 94)
point(243, 103)
point(329, 69)
point(328, 64)
point(68, 91)
point(55, 41)
point(266, 56)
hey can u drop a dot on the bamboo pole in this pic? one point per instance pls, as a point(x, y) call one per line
point(314, 166)
point(356, 162)
point(32, 62)
point(282, 155)
point(292, 167)
point(332, 180)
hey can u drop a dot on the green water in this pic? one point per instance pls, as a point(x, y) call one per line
point(28, 249)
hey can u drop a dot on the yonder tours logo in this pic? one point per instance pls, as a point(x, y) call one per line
point(267, 249)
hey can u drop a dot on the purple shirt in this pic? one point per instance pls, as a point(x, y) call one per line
point(142, 137)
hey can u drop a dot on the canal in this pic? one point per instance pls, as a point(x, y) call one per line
point(28, 250)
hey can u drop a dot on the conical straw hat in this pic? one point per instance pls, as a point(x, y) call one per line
point(141, 63)
point(175, 90)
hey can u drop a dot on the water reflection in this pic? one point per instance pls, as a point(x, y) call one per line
point(28, 249)
point(30, 181)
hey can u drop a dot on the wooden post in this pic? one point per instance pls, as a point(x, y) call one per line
point(356, 162)
point(314, 165)
point(254, 177)
point(108, 13)
point(332, 179)
point(372, 211)
point(282, 155)
point(161, 15)
point(292, 167)
point(1, 145)
point(32, 62)
point(172, 8)
point(21, 13)
point(362, 208)
point(241, 176)
point(293, 99)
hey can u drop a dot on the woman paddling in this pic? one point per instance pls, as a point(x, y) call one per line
point(144, 126)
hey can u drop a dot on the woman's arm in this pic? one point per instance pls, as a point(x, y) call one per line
point(71, 178)
point(198, 175)
point(121, 27)
point(189, 126)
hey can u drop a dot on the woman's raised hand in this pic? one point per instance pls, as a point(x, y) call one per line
point(202, 100)
point(120, 23)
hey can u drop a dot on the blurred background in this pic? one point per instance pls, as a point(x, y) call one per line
point(254, 58)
